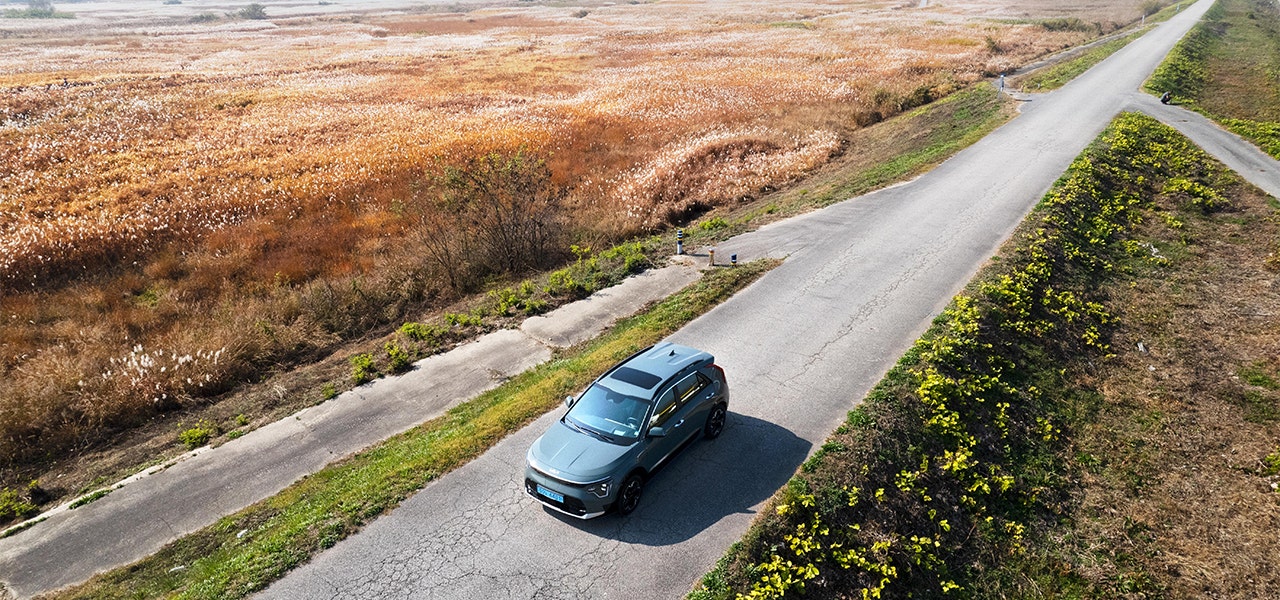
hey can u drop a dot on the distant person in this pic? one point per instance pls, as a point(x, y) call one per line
point(1166, 98)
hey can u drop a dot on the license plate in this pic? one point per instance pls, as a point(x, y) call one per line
point(558, 497)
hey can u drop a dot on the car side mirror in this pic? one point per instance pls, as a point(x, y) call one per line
point(656, 432)
point(568, 401)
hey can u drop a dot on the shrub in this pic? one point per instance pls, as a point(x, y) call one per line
point(398, 361)
point(463, 319)
point(253, 11)
point(713, 224)
point(199, 435)
point(431, 336)
point(1068, 24)
point(497, 213)
point(13, 507)
point(362, 368)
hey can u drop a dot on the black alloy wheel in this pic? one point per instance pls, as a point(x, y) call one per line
point(715, 422)
point(629, 497)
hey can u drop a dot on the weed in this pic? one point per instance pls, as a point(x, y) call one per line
point(94, 497)
point(328, 391)
point(195, 437)
point(1258, 375)
point(13, 507)
point(713, 224)
point(1068, 24)
point(463, 320)
point(1271, 464)
point(363, 370)
point(398, 361)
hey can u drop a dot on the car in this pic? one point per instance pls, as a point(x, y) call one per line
point(623, 427)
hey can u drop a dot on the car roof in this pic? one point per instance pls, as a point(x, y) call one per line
point(661, 360)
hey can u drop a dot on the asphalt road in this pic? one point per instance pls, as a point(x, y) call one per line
point(861, 281)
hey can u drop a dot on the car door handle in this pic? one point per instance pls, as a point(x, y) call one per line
point(678, 424)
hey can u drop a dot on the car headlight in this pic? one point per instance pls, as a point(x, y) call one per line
point(600, 488)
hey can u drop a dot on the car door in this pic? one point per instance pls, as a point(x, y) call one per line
point(672, 413)
point(691, 391)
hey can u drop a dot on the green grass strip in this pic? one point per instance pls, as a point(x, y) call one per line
point(975, 113)
point(1056, 76)
point(246, 551)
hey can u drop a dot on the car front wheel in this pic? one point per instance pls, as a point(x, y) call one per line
point(629, 496)
point(715, 422)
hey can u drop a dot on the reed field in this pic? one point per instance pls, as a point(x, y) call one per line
point(193, 196)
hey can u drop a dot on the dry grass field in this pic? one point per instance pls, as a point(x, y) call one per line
point(190, 199)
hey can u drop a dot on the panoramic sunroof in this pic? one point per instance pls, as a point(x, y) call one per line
point(636, 377)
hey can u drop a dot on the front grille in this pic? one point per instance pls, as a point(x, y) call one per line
point(560, 481)
point(570, 505)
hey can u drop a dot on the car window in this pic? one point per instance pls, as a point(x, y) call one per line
point(675, 396)
point(689, 386)
point(666, 406)
point(609, 412)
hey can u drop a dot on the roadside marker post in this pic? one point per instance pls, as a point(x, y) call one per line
point(679, 241)
point(733, 259)
point(712, 254)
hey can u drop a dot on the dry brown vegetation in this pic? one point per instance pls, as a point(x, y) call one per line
point(187, 206)
point(1192, 409)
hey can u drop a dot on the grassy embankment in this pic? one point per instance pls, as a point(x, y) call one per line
point(313, 514)
point(1226, 68)
point(1018, 449)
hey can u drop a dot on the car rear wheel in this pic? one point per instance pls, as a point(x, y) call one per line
point(715, 422)
point(629, 496)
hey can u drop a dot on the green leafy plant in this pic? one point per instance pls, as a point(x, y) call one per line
point(398, 361)
point(713, 224)
point(195, 437)
point(1271, 463)
point(13, 506)
point(363, 369)
point(94, 497)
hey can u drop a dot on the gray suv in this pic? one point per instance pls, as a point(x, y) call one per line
point(623, 427)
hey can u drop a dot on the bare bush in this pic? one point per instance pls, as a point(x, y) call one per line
point(499, 213)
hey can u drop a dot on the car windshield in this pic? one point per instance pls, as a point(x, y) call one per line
point(603, 411)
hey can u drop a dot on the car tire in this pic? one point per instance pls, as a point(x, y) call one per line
point(715, 422)
point(629, 494)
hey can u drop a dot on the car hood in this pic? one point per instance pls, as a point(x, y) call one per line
point(567, 454)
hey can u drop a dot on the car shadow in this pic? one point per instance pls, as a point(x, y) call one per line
point(704, 482)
